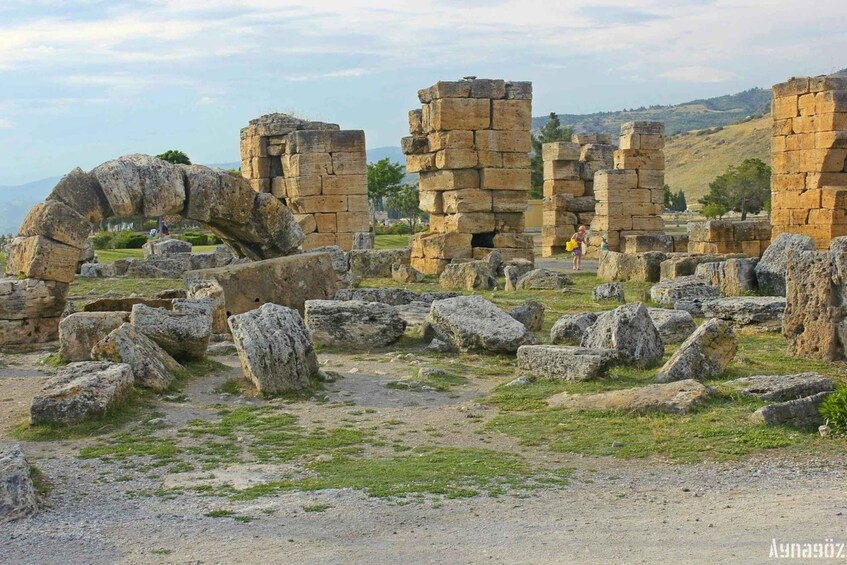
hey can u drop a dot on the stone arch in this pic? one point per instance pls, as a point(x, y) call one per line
point(42, 260)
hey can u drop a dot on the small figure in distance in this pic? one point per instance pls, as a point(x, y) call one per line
point(579, 238)
point(605, 245)
point(153, 233)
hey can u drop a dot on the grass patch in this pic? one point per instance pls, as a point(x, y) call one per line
point(219, 514)
point(392, 241)
point(233, 386)
point(316, 507)
point(39, 480)
point(440, 381)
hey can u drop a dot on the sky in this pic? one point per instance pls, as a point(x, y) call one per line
point(85, 81)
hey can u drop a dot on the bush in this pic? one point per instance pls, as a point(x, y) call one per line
point(128, 240)
point(834, 409)
point(102, 240)
point(199, 238)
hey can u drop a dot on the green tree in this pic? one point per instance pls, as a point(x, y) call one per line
point(405, 202)
point(384, 179)
point(714, 210)
point(553, 130)
point(680, 205)
point(668, 197)
point(744, 188)
point(175, 156)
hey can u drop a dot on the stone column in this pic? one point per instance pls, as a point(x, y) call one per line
point(809, 147)
point(470, 144)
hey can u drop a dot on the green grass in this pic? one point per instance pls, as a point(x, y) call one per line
point(112, 255)
point(720, 429)
point(316, 507)
point(391, 241)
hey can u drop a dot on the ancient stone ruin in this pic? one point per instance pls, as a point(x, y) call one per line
point(630, 197)
point(318, 170)
point(809, 183)
point(750, 237)
point(43, 258)
point(470, 144)
point(569, 169)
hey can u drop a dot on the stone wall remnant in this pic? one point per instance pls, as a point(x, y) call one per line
point(750, 237)
point(569, 168)
point(809, 147)
point(317, 170)
point(470, 143)
point(630, 197)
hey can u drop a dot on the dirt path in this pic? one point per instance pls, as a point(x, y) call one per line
point(611, 511)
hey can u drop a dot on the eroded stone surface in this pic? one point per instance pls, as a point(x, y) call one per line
point(566, 362)
point(782, 387)
point(704, 355)
point(274, 348)
point(570, 328)
point(473, 323)
point(610, 292)
point(183, 332)
point(669, 398)
point(687, 288)
point(543, 279)
point(802, 412)
point(674, 325)
point(80, 331)
point(629, 330)
point(17, 493)
point(353, 324)
point(151, 365)
point(773, 266)
point(530, 314)
point(470, 275)
point(745, 310)
point(80, 391)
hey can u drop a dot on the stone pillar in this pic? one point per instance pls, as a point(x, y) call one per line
point(316, 169)
point(630, 197)
point(470, 143)
point(569, 169)
point(809, 145)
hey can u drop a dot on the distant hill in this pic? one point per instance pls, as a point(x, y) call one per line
point(693, 159)
point(697, 114)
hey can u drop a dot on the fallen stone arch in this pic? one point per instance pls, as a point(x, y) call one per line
point(42, 259)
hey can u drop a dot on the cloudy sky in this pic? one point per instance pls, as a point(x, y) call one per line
point(87, 80)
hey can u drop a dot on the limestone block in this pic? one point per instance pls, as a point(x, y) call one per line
point(505, 179)
point(454, 158)
point(792, 87)
point(455, 139)
point(508, 201)
point(812, 321)
point(608, 181)
point(561, 170)
point(307, 164)
point(80, 331)
point(445, 89)
point(516, 160)
point(351, 185)
point(511, 115)
point(274, 348)
point(318, 239)
point(470, 222)
point(472, 323)
point(489, 159)
point(326, 223)
point(38, 257)
point(323, 203)
point(639, 159)
point(349, 163)
point(353, 323)
point(82, 391)
point(519, 90)
point(58, 222)
point(450, 180)
point(442, 246)
point(653, 179)
point(559, 187)
point(468, 275)
point(566, 362)
point(429, 266)
point(431, 202)
point(467, 200)
point(643, 128)
point(217, 199)
point(415, 123)
point(461, 114)
point(513, 241)
point(308, 141)
point(141, 185)
point(560, 151)
point(81, 192)
point(21, 299)
point(376, 263)
point(629, 330)
point(152, 367)
point(298, 187)
point(703, 355)
point(420, 163)
point(307, 222)
point(503, 140)
point(488, 88)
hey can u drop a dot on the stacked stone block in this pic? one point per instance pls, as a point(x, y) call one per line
point(470, 144)
point(630, 197)
point(569, 168)
point(318, 170)
point(809, 183)
point(749, 237)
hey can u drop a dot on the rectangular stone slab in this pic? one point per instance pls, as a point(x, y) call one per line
point(288, 281)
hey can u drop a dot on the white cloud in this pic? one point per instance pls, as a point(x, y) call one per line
point(5, 124)
point(355, 72)
point(697, 74)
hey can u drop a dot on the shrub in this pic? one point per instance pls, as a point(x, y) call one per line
point(834, 409)
point(199, 238)
point(102, 240)
point(128, 240)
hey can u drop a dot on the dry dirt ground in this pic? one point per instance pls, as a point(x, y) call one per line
point(611, 510)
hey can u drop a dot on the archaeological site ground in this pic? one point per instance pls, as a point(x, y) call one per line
point(308, 390)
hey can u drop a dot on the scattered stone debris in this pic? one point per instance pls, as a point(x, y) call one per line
point(612, 292)
point(17, 493)
point(629, 330)
point(530, 314)
point(468, 275)
point(782, 388)
point(678, 397)
point(473, 323)
point(354, 324)
point(674, 325)
point(567, 362)
point(570, 328)
point(704, 355)
point(152, 367)
point(79, 332)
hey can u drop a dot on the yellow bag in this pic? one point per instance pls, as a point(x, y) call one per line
point(571, 245)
